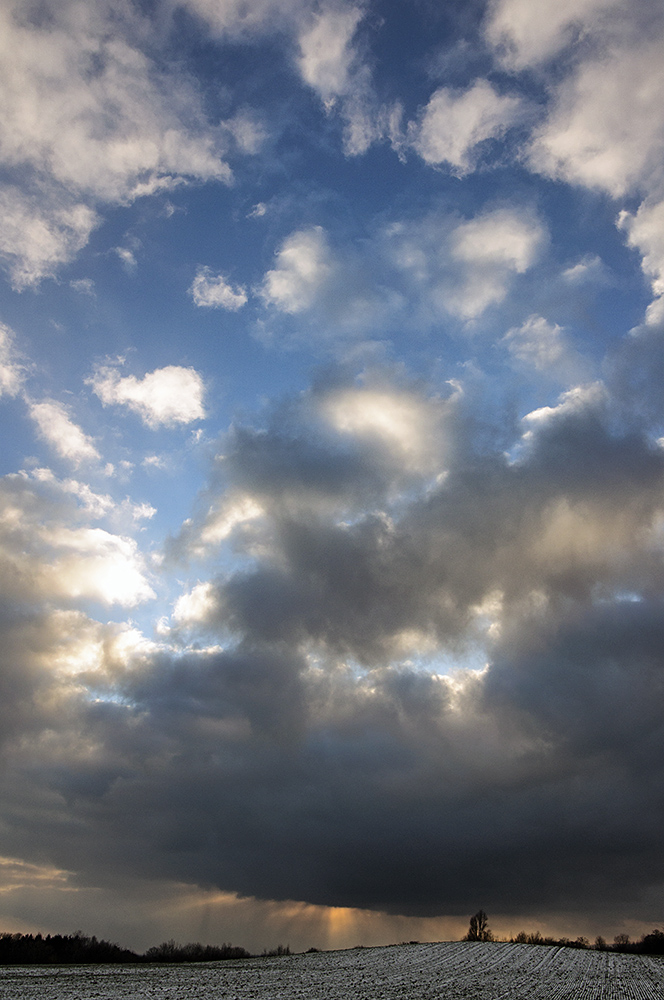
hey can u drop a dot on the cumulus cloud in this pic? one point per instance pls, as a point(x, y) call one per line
point(606, 128)
point(406, 424)
point(40, 234)
point(417, 624)
point(503, 237)
point(93, 563)
point(454, 123)
point(304, 265)
point(47, 552)
point(603, 126)
point(491, 248)
point(537, 342)
point(248, 132)
point(127, 258)
point(165, 397)
point(543, 346)
point(213, 291)
point(65, 79)
point(439, 533)
point(417, 269)
point(196, 606)
point(645, 232)
point(462, 267)
point(526, 35)
point(348, 714)
point(332, 290)
point(326, 55)
point(59, 430)
point(590, 269)
point(89, 120)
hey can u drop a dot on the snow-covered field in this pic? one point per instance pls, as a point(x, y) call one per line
point(450, 971)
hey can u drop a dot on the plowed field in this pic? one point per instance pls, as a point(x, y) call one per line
point(448, 971)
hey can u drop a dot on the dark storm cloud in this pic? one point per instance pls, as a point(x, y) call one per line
point(391, 798)
point(637, 374)
point(320, 756)
point(574, 513)
point(20, 674)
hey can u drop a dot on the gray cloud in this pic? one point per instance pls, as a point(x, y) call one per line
point(325, 750)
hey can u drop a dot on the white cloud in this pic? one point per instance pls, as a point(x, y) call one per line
point(237, 17)
point(166, 396)
point(365, 123)
point(96, 505)
point(592, 396)
point(215, 292)
point(539, 344)
point(327, 60)
point(248, 133)
point(408, 424)
point(326, 54)
point(154, 462)
point(645, 232)
point(606, 128)
point(82, 645)
point(93, 563)
point(39, 233)
point(526, 33)
point(589, 269)
point(59, 430)
point(503, 238)
point(331, 65)
point(232, 513)
point(304, 265)
point(460, 268)
point(46, 552)
point(138, 511)
point(87, 118)
point(197, 605)
point(492, 247)
point(11, 371)
point(127, 257)
point(89, 109)
point(454, 122)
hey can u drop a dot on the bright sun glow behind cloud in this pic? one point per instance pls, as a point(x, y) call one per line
point(398, 420)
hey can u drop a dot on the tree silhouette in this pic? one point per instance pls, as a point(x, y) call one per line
point(479, 928)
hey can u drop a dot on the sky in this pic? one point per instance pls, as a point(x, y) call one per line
point(332, 458)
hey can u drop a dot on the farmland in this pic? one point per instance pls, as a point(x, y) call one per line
point(449, 971)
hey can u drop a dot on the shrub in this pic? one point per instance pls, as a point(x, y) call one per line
point(281, 949)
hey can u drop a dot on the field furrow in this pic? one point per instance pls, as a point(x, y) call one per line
point(447, 971)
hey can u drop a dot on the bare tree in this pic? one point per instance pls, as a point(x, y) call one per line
point(479, 928)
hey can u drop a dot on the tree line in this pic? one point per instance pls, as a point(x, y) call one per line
point(80, 949)
point(648, 944)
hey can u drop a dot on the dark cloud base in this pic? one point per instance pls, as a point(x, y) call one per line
point(313, 758)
